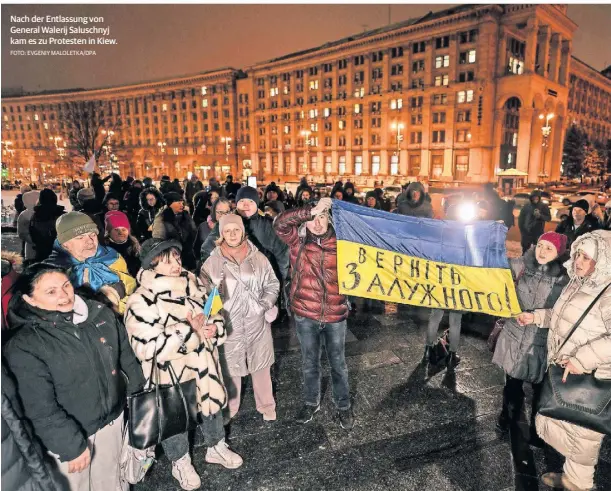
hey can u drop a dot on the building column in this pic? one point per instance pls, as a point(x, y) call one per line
point(425, 157)
point(349, 162)
point(543, 40)
point(501, 67)
point(531, 45)
point(524, 136)
point(366, 162)
point(565, 62)
point(384, 163)
point(448, 164)
point(554, 62)
point(293, 164)
point(496, 141)
point(320, 162)
point(281, 164)
point(403, 163)
point(334, 162)
point(268, 163)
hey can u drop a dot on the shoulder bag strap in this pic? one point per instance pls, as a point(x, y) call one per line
point(583, 316)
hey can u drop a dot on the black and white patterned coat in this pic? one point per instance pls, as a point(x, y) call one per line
point(156, 321)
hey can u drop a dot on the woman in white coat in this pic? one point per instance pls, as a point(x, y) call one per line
point(588, 350)
point(249, 289)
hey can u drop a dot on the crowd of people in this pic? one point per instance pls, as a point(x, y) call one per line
point(113, 292)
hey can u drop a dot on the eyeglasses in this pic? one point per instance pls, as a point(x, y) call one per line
point(221, 213)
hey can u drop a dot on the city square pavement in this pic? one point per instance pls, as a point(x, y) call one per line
point(416, 429)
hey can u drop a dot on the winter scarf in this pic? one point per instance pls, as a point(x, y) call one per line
point(235, 254)
point(98, 265)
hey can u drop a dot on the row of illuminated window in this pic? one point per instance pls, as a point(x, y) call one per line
point(309, 163)
point(376, 57)
point(415, 137)
point(466, 57)
point(126, 106)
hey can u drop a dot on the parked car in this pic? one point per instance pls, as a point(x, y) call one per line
point(392, 192)
point(590, 195)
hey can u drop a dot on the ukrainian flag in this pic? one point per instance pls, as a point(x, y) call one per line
point(214, 303)
point(420, 261)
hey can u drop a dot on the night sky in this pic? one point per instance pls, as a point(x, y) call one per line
point(161, 41)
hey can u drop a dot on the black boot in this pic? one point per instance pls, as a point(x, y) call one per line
point(502, 424)
point(453, 360)
point(427, 355)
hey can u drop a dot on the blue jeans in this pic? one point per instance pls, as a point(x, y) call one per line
point(311, 335)
point(212, 428)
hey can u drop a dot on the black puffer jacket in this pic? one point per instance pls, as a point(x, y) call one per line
point(147, 214)
point(168, 225)
point(23, 468)
point(70, 376)
point(42, 229)
point(260, 231)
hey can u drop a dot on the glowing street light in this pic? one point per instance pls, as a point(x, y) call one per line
point(546, 130)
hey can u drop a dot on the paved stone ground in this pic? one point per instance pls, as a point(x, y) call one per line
point(415, 429)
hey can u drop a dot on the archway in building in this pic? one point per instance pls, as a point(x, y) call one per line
point(509, 141)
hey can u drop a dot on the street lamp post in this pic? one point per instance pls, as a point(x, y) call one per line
point(546, 130)
point(8, 151)
point(398, 127)
point(162, 146)
point(107, 146)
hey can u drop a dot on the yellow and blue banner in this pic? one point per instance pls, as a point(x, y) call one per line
point(214, 304)
point(424, 262)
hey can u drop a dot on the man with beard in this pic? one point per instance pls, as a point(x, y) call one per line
point(174, 222)
point(320, 310)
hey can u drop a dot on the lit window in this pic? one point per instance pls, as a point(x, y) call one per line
point(287, 129)
point(341, 125)
point(359, 92)
point(35, 117)
point(164, 107)
point(342, 165)
point(357, 108)
point(469, 95)
point(204, 90)
point(46, 125)
point(313, 113)
point(471, 56)
point(327, 112)
point(273, 91)
point(204, 103)
point(285, 90)
point(313, 84)
point(314, 127)
point(175, 150)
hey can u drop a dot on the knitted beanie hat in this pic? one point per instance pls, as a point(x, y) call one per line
point(231, 218)
point(248, 192)
point(116, 219)
point(558, 240)
point(73, 224)
point(85, 194)
point(583, 204)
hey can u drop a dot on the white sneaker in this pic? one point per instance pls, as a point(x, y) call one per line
point(221, 454)
point(186, 475)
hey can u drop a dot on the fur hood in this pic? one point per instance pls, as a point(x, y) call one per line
point(602, 271)
point(144, 205)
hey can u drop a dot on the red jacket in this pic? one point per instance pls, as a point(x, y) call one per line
point(314, 286)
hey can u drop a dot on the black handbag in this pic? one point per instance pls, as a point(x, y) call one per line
point(161, 411)
point(583, 400)
point(439, 351)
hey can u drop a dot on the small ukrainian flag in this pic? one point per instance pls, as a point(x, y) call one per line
point(214, 303)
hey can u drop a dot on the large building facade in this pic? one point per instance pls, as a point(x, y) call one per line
point(454, 96)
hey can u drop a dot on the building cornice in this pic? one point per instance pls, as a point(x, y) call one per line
point(590, 72)
point(129, 90)
point(364, 40)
